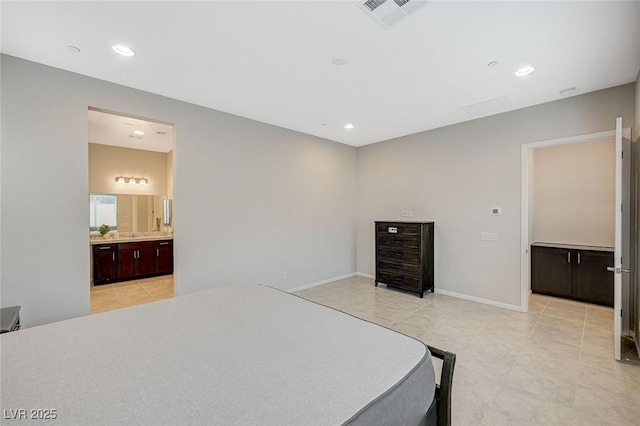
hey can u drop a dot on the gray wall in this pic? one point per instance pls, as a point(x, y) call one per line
point(252, 200)
point(454, 175)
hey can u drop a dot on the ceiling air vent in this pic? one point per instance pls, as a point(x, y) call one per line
point(390, 12)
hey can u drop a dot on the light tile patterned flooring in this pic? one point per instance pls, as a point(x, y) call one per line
point(551, 366)
point(129, 293)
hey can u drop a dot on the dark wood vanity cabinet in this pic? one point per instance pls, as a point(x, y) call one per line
point(105, 263)
point(404, 255)
point(136, 259)
point(125, 261)
point(572, 272)
point(164, 257)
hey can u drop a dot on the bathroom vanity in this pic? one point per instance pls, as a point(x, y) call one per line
point(123, 259)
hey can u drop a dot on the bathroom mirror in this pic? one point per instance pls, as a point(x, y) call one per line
point(127, 213)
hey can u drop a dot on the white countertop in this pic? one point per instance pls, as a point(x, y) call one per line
point(95, 241)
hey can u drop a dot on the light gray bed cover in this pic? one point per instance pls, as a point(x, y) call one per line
point(239, 355)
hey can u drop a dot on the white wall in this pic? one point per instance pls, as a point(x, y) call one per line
point(107, 162)
point(253, 200)
point(573, 194)
point(455, 174)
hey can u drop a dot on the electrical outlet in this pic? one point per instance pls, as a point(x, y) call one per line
point(285, 276)
point(407, 213)
point(410, 213)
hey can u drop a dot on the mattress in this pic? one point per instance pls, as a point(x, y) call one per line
point(237, 355)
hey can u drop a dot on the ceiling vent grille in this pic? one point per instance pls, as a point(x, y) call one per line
point(390, 12)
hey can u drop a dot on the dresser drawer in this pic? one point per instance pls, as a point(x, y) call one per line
point(404, 268)
point(391, 278)
point(388, 228)
point(405, 242)
point(399, 254)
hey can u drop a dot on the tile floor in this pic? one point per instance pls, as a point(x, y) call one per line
point(551, 366)
point(119, 295)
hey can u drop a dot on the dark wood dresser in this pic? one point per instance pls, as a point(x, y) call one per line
point(404, 255)
point(572, 272)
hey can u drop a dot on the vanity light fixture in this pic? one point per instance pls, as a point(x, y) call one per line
point(132, 180)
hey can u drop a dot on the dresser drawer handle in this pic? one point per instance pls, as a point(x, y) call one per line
point(105, 248)
point(164, 244)
point(392, 230)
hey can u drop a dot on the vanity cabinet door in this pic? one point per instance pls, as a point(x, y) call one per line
point(164, 257)
point(146, 262)
point(551, 271)
point(127, 264)
point(593, 283)
point(104, 264)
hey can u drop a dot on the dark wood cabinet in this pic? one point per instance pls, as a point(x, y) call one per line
point(125, 261)
point(404, 255)
point(164, 257)
point(136, 259)
point(572, 272)
point(104, 263)
point(593, 283)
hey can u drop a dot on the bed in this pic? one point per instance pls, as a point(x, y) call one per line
point(237, 355)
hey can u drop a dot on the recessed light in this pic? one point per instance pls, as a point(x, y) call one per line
point(526, 70)
point(73, 49)
point(123, 50)
point(349, 126)
point(138, 132)
point(338, 61)
point(492, 64)
point(568, 91)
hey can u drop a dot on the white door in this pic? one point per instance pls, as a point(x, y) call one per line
point(622, 235)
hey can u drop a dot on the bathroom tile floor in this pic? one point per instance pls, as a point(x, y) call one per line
point(551, 366)
point(129, 293)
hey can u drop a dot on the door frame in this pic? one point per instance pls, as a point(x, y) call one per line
point(525, 187)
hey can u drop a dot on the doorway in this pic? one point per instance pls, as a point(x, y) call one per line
point(527, 154)
point(131, 192)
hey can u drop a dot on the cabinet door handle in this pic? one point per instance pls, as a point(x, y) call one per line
point(157, 252)
point(114, 256)
point(164, 244)
point(578, 257)
point(104, 248)
point(568, 257)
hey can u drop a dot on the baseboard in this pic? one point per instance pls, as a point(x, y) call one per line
point(362, 274)
point(317, 283)
point(479, 300)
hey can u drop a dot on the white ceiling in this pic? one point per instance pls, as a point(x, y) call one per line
point(272, 61)
point(117, 130)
